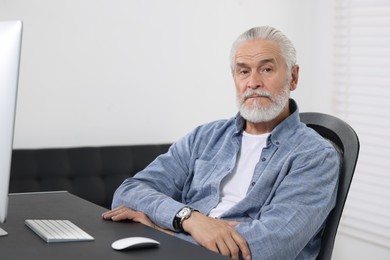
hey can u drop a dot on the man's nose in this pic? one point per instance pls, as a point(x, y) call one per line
point(255, 81)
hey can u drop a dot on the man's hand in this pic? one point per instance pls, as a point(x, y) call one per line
point(124, 213)
point(217, 235)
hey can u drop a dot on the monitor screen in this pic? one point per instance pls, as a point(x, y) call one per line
point(10, 44)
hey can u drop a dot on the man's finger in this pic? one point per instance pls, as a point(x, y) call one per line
point(110, 213)
point(223, 249)
point(243, 245)
point(230, 248)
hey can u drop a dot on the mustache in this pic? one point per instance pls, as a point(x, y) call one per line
point(255, 93)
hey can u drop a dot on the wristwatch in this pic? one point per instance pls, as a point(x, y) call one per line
point(182, 215)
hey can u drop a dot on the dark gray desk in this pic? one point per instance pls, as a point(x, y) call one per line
point(22, 243)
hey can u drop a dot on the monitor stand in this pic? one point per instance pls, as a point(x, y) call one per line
point(3, 232)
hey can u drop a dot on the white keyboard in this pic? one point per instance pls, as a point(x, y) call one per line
point(57, 230)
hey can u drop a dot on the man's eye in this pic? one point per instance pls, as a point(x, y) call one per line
point(267, 69)
point(243, 72)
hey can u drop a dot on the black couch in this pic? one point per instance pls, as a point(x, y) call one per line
point(92, 173)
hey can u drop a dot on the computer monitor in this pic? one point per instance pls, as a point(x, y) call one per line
point(10, 45)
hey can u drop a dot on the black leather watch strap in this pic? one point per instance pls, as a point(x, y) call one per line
point(182, 215)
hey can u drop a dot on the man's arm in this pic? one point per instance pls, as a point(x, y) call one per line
point(156, 190)
point(214, 234)
point(123, 213)
point(217, 235)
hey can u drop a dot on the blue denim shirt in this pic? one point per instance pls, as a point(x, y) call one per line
point(292, 191)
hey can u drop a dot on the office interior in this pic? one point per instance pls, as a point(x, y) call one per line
point(112, 72)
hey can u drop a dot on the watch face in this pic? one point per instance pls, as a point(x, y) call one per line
point(183, 212)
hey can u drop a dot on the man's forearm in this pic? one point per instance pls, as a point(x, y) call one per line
point(216, 235)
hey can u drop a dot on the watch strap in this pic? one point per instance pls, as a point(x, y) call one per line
point(178, 220)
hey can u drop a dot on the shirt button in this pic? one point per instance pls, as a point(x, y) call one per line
point(253, 183)
point(263, 159)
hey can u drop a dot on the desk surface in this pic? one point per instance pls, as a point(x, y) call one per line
point(22, 243)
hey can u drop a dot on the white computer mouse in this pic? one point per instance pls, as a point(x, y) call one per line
point(134, 242)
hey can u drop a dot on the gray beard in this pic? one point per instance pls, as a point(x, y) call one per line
point(257, 113)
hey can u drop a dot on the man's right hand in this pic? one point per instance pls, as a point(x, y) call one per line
point(123, 213)
point(217, 235)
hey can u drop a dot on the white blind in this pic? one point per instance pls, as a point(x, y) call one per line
point(362, 98)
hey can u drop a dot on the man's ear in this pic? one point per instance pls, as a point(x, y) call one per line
point(294, 77)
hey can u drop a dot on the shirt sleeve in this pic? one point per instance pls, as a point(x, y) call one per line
point(157, 189)
point(297, 212)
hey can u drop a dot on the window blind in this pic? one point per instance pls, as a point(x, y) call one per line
point(361, 96)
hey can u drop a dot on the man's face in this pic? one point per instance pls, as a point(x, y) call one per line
point(260, 76)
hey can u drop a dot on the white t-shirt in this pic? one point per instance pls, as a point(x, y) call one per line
point(235, 185)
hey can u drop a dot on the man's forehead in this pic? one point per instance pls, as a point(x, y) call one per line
point(256, 47)
point(259, 50)
point(245, 63)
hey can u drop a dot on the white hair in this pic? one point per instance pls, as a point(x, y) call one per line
point(287, 49)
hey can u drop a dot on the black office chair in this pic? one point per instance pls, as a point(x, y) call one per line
point(345, 140)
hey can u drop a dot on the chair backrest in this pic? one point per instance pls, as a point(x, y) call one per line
point(346, 141)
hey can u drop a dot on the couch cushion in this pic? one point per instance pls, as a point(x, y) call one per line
point(92, 173)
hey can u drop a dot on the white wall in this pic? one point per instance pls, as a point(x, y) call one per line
point(142, 71)
point(98, 72)
point(347, 247)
